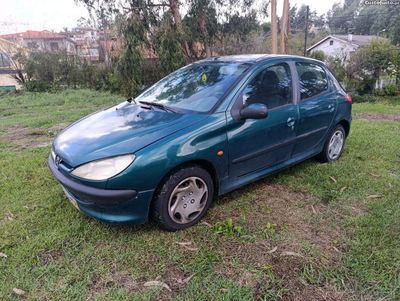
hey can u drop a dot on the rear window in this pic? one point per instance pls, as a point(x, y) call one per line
point(312, 80)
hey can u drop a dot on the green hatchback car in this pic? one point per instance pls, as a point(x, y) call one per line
point(200, 132)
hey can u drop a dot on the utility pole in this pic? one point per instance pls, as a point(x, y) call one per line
point(274, 32)
point(305, 33)
point(284, 28)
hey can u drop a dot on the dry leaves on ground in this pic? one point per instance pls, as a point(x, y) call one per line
point(185, 244)
point(157, 283)
point(18, 291)
point(374, 196)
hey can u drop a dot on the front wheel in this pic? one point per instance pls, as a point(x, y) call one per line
point(183, 198)
point(333, 146)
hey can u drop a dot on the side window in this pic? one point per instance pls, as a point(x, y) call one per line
point(272, 87)
point(4, 60)
point(312, 80)
point(54, 46)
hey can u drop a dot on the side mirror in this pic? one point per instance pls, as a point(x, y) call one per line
point(254, 111)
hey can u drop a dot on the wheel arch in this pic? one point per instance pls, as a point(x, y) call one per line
point(346, 125)
point(205, 164)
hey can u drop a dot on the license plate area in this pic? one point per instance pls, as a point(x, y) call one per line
point(71, 198)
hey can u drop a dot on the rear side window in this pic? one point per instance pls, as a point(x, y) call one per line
point(312, 79)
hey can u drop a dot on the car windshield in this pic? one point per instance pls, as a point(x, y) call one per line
point(195, 88)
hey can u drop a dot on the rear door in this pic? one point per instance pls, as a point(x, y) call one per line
point(317, 106)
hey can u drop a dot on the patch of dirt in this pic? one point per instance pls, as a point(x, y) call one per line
point(48, 256)
point(173, 280)
point(328, 293)
point(302, 243)
point(58, 127)
point(27, 138)
point(377, 117)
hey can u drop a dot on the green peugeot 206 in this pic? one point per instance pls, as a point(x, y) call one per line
point(201, 131)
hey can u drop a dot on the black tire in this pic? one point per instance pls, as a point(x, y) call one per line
point(327, 155)
point(189, 188)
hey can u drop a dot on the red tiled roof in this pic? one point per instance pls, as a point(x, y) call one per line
point(29, 34)
point(81, 42)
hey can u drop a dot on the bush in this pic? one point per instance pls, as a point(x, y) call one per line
point(37, 85)
point(364, 98)
point(318, 55)
point(379, 92)
point(366, 86)
point(391, 90)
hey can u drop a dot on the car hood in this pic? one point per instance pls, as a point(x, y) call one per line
point(120, 129)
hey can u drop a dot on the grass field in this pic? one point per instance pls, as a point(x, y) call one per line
point(311, 232)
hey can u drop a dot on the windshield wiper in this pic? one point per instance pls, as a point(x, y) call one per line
point(160, 106)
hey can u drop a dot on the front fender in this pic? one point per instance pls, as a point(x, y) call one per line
point(201, 141)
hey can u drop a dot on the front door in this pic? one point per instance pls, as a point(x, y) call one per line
point(259, 144)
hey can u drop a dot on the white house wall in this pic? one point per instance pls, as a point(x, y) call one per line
point(338, 48)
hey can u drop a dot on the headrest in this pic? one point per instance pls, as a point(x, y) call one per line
point(308, 76)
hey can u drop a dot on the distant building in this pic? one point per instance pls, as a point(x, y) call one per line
point(87, 50)
point(341, 45)
point(87, 41)
point(10, 70)
point(42, 41)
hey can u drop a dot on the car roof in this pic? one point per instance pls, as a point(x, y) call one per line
point(254, 58)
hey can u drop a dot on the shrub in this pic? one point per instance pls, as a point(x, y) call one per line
point(366, 86)
point(391, 90)
point(318, 55)
point(364, 98)
point(37, 85)
point(379, 92)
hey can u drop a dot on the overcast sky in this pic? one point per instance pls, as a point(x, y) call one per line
point(22, 15)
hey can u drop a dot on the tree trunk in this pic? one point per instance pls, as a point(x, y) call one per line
point(284, 27)
point(178, 22)
point(205, 35)
point(274, 31)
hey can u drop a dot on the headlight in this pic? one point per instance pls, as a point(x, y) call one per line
point(103, 169)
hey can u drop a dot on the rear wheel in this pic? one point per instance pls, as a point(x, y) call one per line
point(333, 146)
point(183, 198)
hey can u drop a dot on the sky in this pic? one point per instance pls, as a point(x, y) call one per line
point(21, 15)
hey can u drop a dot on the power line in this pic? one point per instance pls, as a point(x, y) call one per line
point(356, 16)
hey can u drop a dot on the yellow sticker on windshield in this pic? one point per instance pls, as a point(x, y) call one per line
point(204, 77)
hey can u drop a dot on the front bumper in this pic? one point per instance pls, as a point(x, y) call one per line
point(107, 205)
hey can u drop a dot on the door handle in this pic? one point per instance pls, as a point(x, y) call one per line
point(331, 108)
point(291, 121)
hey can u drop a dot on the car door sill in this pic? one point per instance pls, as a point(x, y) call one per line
point(277, 146)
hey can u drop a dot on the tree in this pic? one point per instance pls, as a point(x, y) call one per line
point(166, 44)
point(369, 63)
point(357, 17)
point(129, 64)
point(298, 18)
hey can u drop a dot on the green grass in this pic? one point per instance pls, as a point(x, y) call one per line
point(47, 109)
point(382, 107)
point(57, 253)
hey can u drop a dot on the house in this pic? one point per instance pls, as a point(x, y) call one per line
point(88, 34)
point(87, 41)
point(341, 45)
point(42, 41)
point(87, 50)
point(10, 69)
